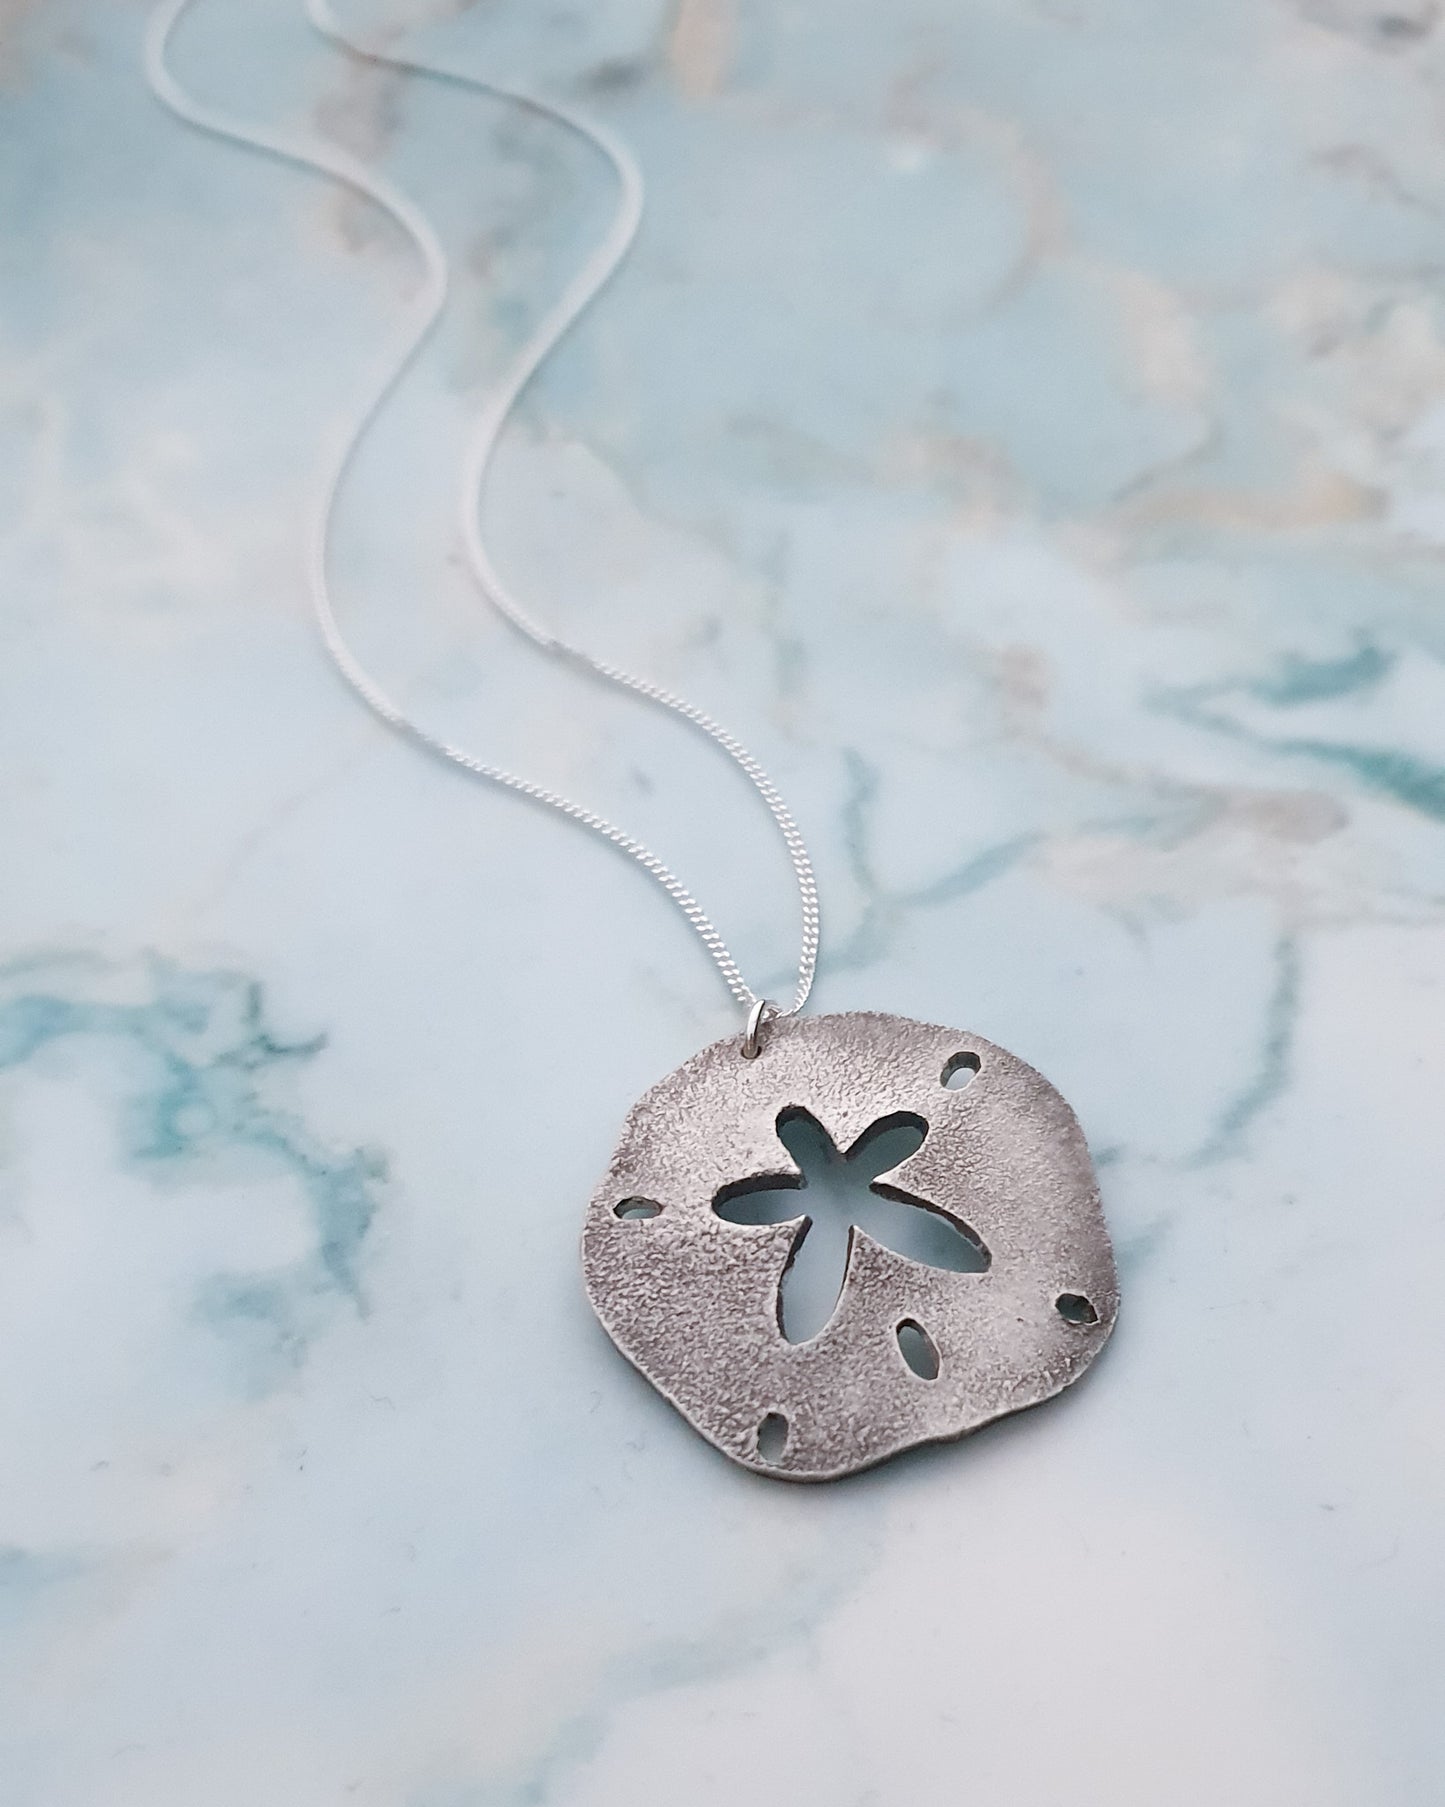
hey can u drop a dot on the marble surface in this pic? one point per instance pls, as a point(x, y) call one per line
point(1024, 422)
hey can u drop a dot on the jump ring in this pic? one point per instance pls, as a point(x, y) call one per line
point(762, 1012)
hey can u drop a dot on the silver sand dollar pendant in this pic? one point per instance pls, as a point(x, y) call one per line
point(980, 1279)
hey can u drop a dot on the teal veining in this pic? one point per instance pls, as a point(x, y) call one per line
point(882, 907)
point(208, 1054)
point(1418, 784)
point(1295, 681)
point(1267, 1083)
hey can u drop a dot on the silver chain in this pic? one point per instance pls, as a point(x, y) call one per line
point(585, 286)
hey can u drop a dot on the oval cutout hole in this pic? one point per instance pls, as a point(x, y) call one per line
point(634, 1210)
point(772, 1438)
point(918, 1349)
point(958, 1070)
point(1074, 1308)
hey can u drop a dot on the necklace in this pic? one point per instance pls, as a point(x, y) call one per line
point(1003, 1290)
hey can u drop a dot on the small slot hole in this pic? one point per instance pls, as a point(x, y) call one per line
point(958, 1070)
point(772, 1438)
point(634, 1210)
point(1074, 1308)
point(918, 1349)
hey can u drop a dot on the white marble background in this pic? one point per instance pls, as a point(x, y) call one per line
point(1023, 421)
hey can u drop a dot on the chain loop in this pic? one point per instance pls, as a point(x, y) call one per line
point(578, 296)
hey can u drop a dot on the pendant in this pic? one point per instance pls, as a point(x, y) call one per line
point(977, 1276)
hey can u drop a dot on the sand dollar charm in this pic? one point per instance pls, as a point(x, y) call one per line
point(976, 1273)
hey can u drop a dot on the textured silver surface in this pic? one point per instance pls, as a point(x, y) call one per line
point(692, 1299)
